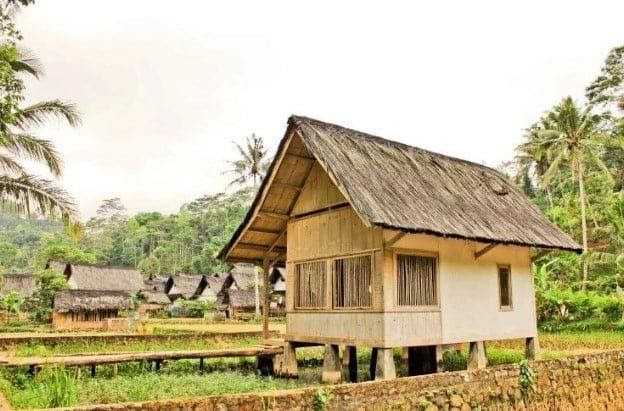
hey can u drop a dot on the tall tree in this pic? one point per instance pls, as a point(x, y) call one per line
point(608, 88)
point(252, 163)
point(567, 139)
point(18, 187)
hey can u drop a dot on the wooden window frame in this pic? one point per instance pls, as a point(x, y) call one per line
point(296, 286)
point(330, 267)
point(501, 307)
point(415, 308)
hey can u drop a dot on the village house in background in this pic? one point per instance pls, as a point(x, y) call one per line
point(388, 245)
point(95, 297)
point(23, 284)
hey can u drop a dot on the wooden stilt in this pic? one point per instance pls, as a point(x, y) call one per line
point(201, 365)
point(288, 365)
point(157, 364)
point(115, 369)
point(93, 367)
point(421, 360)
point(531, 348)
point(349, 362)
point(373, 363)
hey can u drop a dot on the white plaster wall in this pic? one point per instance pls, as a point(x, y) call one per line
point(468, 289)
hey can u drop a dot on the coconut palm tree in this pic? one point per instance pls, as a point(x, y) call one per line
point(18, 188)
point(252, 163)
point(568, 138)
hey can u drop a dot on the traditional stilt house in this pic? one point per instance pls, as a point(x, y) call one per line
point(90, 310)
point(388, 245)
point(187, 286)
point(96, 296)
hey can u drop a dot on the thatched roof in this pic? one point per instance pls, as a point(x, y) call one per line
point(95, 277)
point(244, 276)
point(91, 300)
point(216, 282)
point(277, 278)
point(187, 285)
point(242, 298)
point(155, 284)
point(389, 185)
point(152, 297)
point(24, 284)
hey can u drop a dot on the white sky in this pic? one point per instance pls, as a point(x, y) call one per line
point(164, 87)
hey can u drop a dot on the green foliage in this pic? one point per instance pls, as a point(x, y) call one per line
point(321, 399)
point(526, 379)
point(12, 302)
point(60, 387)
point(40, 304)
point(191, 308)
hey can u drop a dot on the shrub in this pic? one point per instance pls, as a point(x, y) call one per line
point(40, 304)
point(191, 308)
point(557, 307)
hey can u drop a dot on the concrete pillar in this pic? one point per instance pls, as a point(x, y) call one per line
point(531, 348)
point(385, 369)
point(476, 355)
point(439, 351)
point(286, 364)
point(349, 363)
point(332, 372)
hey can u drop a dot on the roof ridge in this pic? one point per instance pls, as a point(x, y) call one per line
point(297, 119)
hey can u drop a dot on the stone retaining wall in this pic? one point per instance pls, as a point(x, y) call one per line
point(587, 382)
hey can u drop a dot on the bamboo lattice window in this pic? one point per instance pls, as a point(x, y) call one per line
point(352, 282)
point(504, 286)
point(417, 280)
point(310, 284)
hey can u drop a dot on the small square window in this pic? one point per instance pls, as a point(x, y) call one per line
point(504, 287)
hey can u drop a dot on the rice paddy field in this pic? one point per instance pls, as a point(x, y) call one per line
point(56, 386)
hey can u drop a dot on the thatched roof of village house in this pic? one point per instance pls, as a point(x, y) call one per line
point(91, 300)
point(95, 277)
point(216, 282)
point(155, 284)
point(277, 279)
point(155, 297)
point(24, 284)
point(187, 285)
point(389, 185)
point(242, 298)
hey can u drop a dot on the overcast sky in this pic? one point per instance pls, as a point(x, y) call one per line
point(164, 87)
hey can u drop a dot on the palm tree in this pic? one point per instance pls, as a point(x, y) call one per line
point(252, 163)
point(18, 188)
point(567, 139)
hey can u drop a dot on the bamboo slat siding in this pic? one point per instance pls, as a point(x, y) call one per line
point(416, 280)
point(310, 280)
point(352, 282)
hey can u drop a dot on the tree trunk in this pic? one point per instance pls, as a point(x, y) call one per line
point(583, 202)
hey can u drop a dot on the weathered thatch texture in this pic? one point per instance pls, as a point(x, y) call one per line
point(155, 284)
point(243, 276)
point(242, 299)
point(390, 185)
point(187, 285)
point(216, 282)
point(23, 284)
point(91, 300)
point(152, 297)
point(93, 277)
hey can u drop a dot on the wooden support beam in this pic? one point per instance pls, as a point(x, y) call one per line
point(262, 231)
point(395, 239)
point(273, 215)
point(93, 367)
point(201, 365)
point(261, 248)
point(373, 363)
point(485, 249)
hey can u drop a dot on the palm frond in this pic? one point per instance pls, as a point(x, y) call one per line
point(8, 164)
point(26, 191)
point(28, 63)
point(34, 148)
point(39, 113)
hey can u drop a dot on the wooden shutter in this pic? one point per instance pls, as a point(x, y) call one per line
point(504, 286)
point(351, 281)
point(310, 284)
point(417, 282)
